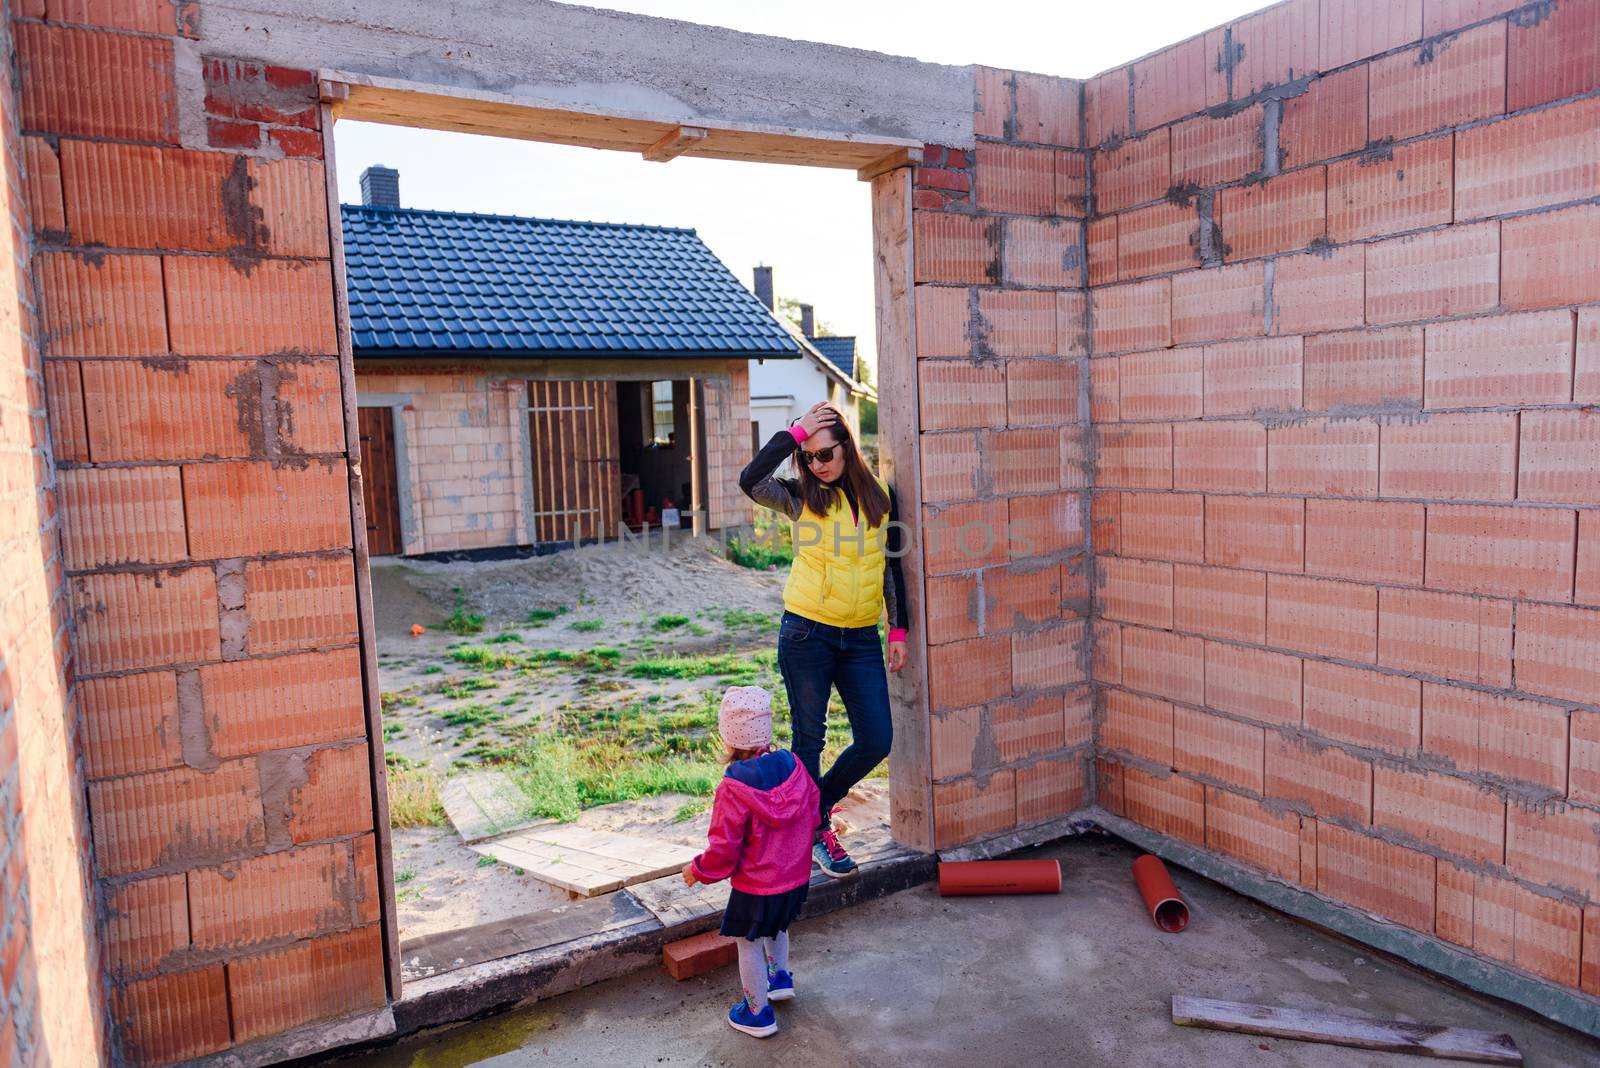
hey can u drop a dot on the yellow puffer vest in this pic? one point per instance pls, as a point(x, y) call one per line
point(837, 576)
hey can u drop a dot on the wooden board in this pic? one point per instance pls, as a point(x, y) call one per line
point(1397, 1036)
point(587, 862)
point(449, 950)
point(381, 487)
point(671, 902)
point(482, 804)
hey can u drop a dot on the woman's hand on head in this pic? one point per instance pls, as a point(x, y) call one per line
point(897, 655)
point(821, 416)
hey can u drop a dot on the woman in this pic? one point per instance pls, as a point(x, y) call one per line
point(846, 574)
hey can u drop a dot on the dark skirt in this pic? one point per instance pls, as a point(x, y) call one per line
point(755, 916)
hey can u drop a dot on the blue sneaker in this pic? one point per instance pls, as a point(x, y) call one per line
point(760, 1024)
point(831, 857)
point(780, 986)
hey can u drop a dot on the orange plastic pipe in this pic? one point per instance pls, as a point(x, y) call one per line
point(1161, 897)
point(969, 878)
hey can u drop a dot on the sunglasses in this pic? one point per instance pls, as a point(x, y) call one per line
point(821, 456)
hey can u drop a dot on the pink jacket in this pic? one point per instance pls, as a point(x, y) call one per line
point(762, 821)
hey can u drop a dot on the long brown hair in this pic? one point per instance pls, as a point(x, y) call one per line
point(819, 495)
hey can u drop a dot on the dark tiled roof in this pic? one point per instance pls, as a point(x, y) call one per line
point(438, 281)
point(840, 351)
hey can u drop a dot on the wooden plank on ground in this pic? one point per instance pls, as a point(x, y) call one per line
point(1396, 1036)
point(449, 950)
point(483, 803)
point(671, 902)
point(587, 862)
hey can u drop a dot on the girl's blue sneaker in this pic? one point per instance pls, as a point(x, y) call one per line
point(780, 986)
point(760, 1024)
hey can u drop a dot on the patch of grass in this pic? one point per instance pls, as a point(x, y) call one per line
point(734, 618)
point(405, 876)
point(588, 626)
point(461, 621)
point(393, 730)
point(736, 669)
point(545, 615)
point(473, 715)
point(431, 669)
point(486, 861)
point(414, 797)
point(505, 638)
point(690, 810)
point(462, 688)
point(669, 622)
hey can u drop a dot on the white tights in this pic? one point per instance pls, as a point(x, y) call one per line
point(758, 959)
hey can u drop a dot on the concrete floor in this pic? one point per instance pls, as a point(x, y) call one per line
point(1083, 979)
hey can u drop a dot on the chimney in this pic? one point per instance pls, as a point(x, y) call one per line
point(808, 321)
point(764, 287)
point(380, 187)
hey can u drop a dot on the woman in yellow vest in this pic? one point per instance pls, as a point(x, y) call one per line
point(848, 540)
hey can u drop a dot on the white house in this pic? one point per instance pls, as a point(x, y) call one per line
point(781, 391)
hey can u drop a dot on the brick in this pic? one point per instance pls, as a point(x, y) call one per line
point(281, 306)
point(949, 467)
point(1559, 458)
point(1107, 658)
point(1045, 526)
point(1542, 934)
point(1555, 847)
point(254, 706)
point(1053, 656)
point(1321, 779)
point(1047, 109)
point(145, 922)
point(1021, 596)
point(1467, 456)
point(1164, 526)
point(1505, 360)
point(1364, 367)
point(1253, 683)
point(1246, 829)
point(1275, 47)
point(1552, 55)
point(1041, 391)
point(303, 143)
point(1278, 215)
point(943, 321)
point(1443, 16)
point(1133, 316)
point(1248, 377)
point(1591, 949)
point(326, 977)
point(367, 893)
point(698, 955)
point(1325, 457)
point(965, 810)
point(130, 723)
point(1529, 161)
point(952, 608)
point(1452, 814)
point(957, 394)
point(1161, 384)
point(1444, 82)
point(1072, 323)
point(1509, 737)
point(240, 89)
point(965, 536)
point(1219, 303)
point(121, 516)
point(1256, 532)
point(223, 134)
point(954, 741)
point(1319, 290)
point(174, 1017)
point(43, 170)
point(1105, 520)
point(1217, 749)
point(1137, 171)
point(1163, 664)
point(1373, 540)
point(1584, 757)
point(1157, 239)
point(63, 386)
point(953, 684)
point(1407, 187)
point(1551, 258)
point(1558, 651)
point(310, 407)
point(1050, 788)
point(102, 305)
point(1317, 615)
point(170, 817)
point(1105, 106)
point(1587, 589)
point(1015, 323)
point(1466, 638)
point(297, 510)
point(1329, 119)
point(336, 797)
point(1027, 727)
point(1510, 552)
point(1135, 591)
point(1016, 178)
point(1023, 461)
point(1171, 805)
point(188, 411)
point(1209, 151)
point(1138, 725)
point(1453, 904)
point(1363, 707)
point(1100, 243)
point(1043, 252)
point(1586, 370)
point(142, 196)
point(963, 249)
point(1352, 30)
point(290, 894)
point(1379, 877)
point(1219, 456)
point(1220, 603)
point(129, 621)
point(992, 104)
point(1178, 81)
point(1444, 272)
point(154, 16)
point(96, 84)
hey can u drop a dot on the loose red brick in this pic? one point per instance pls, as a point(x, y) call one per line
point(1552, 258)
point(1586, 369)
point(1584, 756)
point(965, 536)
point(1364, 367)
point(953, 684)
point(1552, 55)
point(1258, 532)
point(1444, 82)
point(1105, 106)
point(1507, 360)
point(1044, 526)
point(326, 977)
point(1020, 596)
point(1363, 707)
point(1505, 736)
point(1051, 788)
point(1016, 178)
point(1317, 615)
point(1100, 239)
point(1275, 46)
point(1219, 456)
point(1219, 303)
point(1219, 749)
point(1023, 461)
point(1047, 109)
point(1247, 377)
point(1325, 457)
point(1221, 603)
point(1164, 526)
point(1321, 779)
point(1178, 81)
point(965, 810)
point(1043, 252)
point(1319, 290)
point(174, 1017)
point(964, 249)
point(1245, 828)
point(146, 921)
point(1329, 119)
point(141, 196)
point(1135, 591)
point(1529, 161)
point(1133, 316)
point(1373, 540)
point(102, 305)
point(1556, 847)
point(1558, 651)
point(1210, 151)
point(943, 315)
point(130, 723)
point(281, 306)
point(1137, 171)
point(1171, 805)
point(1559, 458)
point(187, 411)
point(1162, 384)
point(97, 84)
point(1445, 272)
point(1015, 323)
point(1453, 814)
point(1138, 725)
point(253, 706)
point(1157, 239)
point(1466, 638)
point(1387, 879)
point(306, 144)
point(127, 621)
point(296, 510)
point(1587, 587)
point(1510, 552)
point(959, 394)
point(336, 797)
point(1135, 456)
point(1054, 656)
point(1253, 683)
point(1351, 30)
point(1164, 664)
point(1466, 456)
point(1408, 189)
point(169, 817)
point(1279, 215)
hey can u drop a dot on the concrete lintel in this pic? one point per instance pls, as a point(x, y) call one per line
point(361, 1030)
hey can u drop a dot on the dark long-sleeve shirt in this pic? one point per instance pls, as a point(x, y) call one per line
point(760, 483)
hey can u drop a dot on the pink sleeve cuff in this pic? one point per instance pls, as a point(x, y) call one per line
point(799, 433)
point(897, 634)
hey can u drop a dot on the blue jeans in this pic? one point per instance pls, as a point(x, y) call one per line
point(814, 658)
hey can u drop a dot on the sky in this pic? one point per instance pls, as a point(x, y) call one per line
point(812, 225)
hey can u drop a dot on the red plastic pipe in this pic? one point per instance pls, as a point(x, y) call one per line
point(1161, 897)
point(969, 878)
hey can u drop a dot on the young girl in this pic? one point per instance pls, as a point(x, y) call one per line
point(761, 826)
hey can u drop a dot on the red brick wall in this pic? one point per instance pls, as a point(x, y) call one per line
point(1345, 337)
